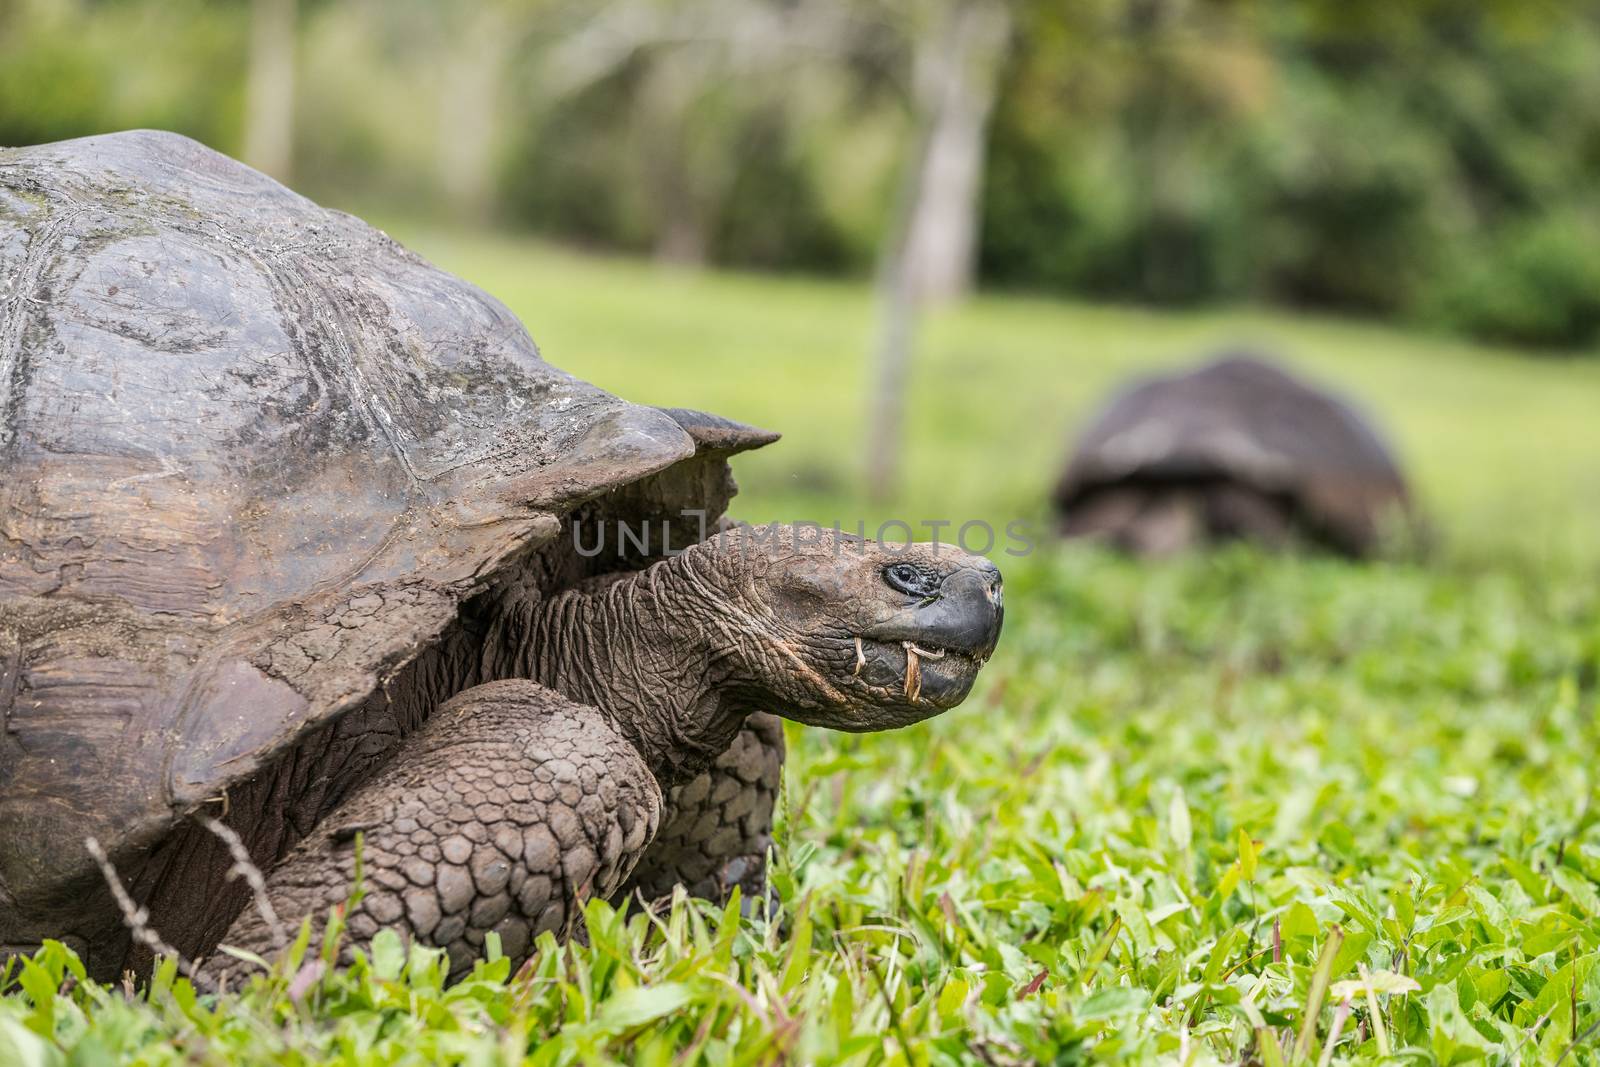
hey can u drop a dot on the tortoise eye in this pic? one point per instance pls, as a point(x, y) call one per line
point(911, 579)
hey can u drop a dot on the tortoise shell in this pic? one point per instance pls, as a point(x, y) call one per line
point(254, 457)
point(1257, 451)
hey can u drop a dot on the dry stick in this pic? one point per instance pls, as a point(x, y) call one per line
point(1340, 1016)
point(306, 978)
point(1528, 1035)
point(244, 867)
point(1576, 1041)
point(1572, 988)
point(137, 918)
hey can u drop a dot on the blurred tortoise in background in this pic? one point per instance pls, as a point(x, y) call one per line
point(1238, 449)
point(301, 533)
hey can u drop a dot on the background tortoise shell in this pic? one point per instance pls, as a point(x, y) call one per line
point(1304, 459)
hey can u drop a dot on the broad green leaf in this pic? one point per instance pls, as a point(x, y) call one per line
point(1377, 981)
point(388, 955)
point(1112, 1003)
point(1178, 821)
point(1247, 857)
point(641, 1004)
point(21, 1047)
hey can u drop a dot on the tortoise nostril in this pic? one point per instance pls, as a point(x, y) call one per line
point(994, 586)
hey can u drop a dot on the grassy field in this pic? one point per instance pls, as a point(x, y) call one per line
point(1223, 808)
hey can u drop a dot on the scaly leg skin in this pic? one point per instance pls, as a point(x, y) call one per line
point(717, 827)
point(503, 812)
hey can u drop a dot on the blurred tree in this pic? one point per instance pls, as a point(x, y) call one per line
point(478, 45)
point(956, 53)
point(675, 96)
point(928, 250)
point(1430, 159)
point(269, 96)
point(693, 74)
point(1354, 154)
point(70, 68)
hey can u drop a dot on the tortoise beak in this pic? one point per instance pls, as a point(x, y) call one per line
point(969, 612)
point(965, 616)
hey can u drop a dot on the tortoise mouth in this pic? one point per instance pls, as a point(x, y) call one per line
point(923, 674)
point(928, 654)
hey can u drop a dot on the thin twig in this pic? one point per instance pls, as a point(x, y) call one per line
point(1580, 1039)
point(244, 867)
point(137, 919)
point(1340, 1016)
point(1528, 1034)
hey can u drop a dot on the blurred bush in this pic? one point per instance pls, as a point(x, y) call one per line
point(1435, 161)
point(1536, 280)
point(1430, 160)
point(69, 68)
point(719, 177)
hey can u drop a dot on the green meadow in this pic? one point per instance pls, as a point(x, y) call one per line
point(1223, 808)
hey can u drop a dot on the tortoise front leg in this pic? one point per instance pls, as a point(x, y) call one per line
point(717, 827)
point(503, 812)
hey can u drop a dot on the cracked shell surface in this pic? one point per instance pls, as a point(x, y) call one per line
point(255, 453)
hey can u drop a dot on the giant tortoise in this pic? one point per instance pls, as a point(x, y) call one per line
point(300, 533)
point(1238, 448)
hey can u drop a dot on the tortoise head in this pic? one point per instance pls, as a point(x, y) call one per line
point(837, 631)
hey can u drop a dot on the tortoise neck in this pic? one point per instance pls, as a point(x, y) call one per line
point(640, 649)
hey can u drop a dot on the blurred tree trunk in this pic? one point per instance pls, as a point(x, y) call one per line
point(682, 237)
point(269, 90)
point(956, 70)
point(929, 245)
point(703, 64)
point(470, 107)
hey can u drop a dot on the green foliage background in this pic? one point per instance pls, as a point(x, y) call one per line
point(1432, 160)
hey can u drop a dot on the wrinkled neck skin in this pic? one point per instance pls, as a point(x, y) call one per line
point(644, 650)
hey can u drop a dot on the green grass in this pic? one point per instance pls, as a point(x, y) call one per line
point(1177, 788)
